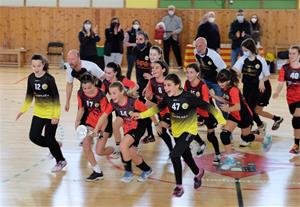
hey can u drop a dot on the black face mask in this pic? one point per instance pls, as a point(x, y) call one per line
point(114, 24)
point(140, 45)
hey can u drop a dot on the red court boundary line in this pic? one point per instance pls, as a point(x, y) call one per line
point(172, 182)
point(20, 80)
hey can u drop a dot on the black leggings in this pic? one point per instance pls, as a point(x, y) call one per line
point(48, 140)
point(182, 148)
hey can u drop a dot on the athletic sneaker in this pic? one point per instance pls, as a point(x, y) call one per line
point(267, 143)
point(295, 149)
point(127, 177)
point(144, 175)
point(198, 179)
point(59, 166)
point(178, 191)
point(244, 144)
point(262, 128)
point(115, 155)
point(95, 176)
point(217, 159)
point(277, 123)
point(228, 163)
point(201, 149)
point(148, 139)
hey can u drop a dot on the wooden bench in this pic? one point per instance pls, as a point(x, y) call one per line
point(20, 53)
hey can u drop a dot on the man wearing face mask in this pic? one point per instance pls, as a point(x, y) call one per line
point(130, 43)
point(174, 26)
point(113, 46)
point(210, 31)
point(256, 30)
point(239, 31)
point(88, 38)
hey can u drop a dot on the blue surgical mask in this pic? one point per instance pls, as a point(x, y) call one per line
point(246, 54)
point(240, 19)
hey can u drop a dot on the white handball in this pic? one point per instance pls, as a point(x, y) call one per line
point(81, 132)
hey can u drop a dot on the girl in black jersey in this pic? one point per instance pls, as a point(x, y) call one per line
point(123, 105)
point(182, 106)
point(41, 86)
point(113, 73)
point(154, 93)
point(256, 84)
point(240, 115)
point(94, 102)
point(196, 86)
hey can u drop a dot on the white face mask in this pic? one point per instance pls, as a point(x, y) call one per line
point(253, 20)
point(171, 12)
point(246, 54)
point(240, 19)
point(211, 19)
point(87, 27)
point(136, 26)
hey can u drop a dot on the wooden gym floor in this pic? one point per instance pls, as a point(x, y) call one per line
point(26, 180)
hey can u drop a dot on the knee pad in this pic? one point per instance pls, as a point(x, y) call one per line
point(296, 122)
point(211, 136)
point(248, 138)
point(225, 137)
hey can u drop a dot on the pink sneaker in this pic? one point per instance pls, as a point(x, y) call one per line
point(59, 166)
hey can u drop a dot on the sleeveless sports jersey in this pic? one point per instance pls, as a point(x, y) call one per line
point(201, 91)
point(183, 112)
point(45, 93)
point(292, 78)
point(95, 106)
point(132, 105)
point(157, 88)
point(234, 96)
point(251, 71)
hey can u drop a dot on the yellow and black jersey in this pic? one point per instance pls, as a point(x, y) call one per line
point(45, 93)
point(183, 112)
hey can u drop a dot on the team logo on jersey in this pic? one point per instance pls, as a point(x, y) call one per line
point(185, 105)
point(146, 58)
point(209, 63)
point(96, 104)
point(44, 86)
point(198, 94)
point(257, 66)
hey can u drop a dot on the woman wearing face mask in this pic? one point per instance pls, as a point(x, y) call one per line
point(256, 84)
point(88, 39)
point(256, 30)
point(210, 31)
point(113, 47)
point(130, 43)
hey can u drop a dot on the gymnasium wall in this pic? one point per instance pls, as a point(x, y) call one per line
point(33, 27)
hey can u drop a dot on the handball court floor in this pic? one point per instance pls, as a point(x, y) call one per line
point(26, 180)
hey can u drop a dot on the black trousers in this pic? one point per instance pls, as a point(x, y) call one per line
point(182, 148)
point(48, 140)
point(176, 49)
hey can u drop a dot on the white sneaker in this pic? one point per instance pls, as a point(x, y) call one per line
point(244, 144)
point(262, 129)
point(115, 155)
point(59, 166)
point(201, 149)
point(217, 159)
point(228, 163)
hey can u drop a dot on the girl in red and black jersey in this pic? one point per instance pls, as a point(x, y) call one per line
point(240, 115)
point(256, 84)
point(123, 105)
point(113, 73)
point(154, 94)
point(46, 113)
point(290, 73)
point(92, 101)
point(197, 87)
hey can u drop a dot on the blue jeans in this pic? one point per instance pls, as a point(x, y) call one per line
point(218, 92)
point(234, 55)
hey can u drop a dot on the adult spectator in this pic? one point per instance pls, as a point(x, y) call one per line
point(210, 31)
point(256, 30)
point(173, 24)
point(239, 31)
